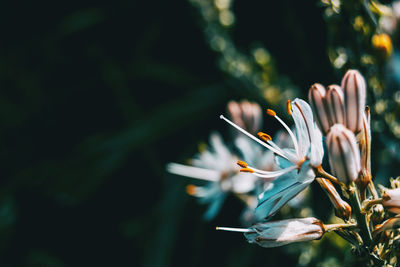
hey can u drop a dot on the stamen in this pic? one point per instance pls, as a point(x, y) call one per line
point(292, 136)
point(246, 170)
point(265, 137)
point(271, 112)
point(254, 138)
point(191, 189)
point(273, 174)
point(289, 107)
point(242, 164)
point(240, 230)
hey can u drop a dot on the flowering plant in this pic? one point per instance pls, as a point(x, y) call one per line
point(370, 222)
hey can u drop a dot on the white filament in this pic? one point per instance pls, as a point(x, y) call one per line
point(230, 229)
point(279, 152)
point(273, 174)
point(292, 136)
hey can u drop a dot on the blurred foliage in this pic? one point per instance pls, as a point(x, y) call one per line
point(98, 96)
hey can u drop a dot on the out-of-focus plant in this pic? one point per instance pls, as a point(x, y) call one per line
point(255, 68)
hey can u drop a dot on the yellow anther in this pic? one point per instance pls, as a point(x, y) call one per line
point(246, 170)
point(265, 137)
point(191, 189)
point(271, 112)
point(289, 107)
point(242, 164)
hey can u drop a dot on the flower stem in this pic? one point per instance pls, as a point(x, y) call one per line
point(361, 218)
point(333, 227)
point(320, 172)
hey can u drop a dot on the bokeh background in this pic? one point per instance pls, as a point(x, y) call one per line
point(98, 96)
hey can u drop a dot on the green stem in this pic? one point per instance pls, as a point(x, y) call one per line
point(361, 219)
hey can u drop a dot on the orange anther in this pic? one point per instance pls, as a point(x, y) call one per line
point(246, 170)
point(271, 112)
point(265, 137)
point(191, 189)
point(289, 107)
point(242, 164)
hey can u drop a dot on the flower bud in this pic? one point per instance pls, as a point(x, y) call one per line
point(342, 208)
point(335, 99)
point(279, 233)
point(316, 97)
point(354, 88)
point(245, 114)
point(344, 156)
point(391, 200)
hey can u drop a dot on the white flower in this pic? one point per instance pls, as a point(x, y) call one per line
point(217, 166)
point(279, 233)
point(295, 164)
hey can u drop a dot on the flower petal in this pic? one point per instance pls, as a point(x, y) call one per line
point(283, 189)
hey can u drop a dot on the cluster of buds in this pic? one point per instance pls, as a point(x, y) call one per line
point(344, 120)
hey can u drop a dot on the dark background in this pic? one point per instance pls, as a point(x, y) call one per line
point(96, 97)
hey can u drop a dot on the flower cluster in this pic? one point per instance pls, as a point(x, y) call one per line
point(216, 167)
point(342, 120)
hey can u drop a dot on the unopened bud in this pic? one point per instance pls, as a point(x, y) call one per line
point(245, 114)
point(316, 96)
point(335, 99)
point(391, 200)
point(344, 156)
point(354, 88)
point(279, 233)
point(342, 208)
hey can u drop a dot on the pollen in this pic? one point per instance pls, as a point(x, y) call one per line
point(191, 189)
point(289, 107)
point(271, 112)
point(247, 170)
point(242, 164)
point(265, 137)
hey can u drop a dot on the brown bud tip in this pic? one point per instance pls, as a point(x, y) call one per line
point(242, 164)
point(271, 112)
point(247, 170)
